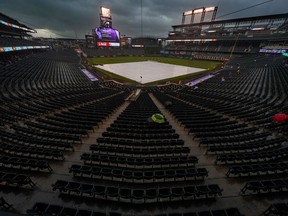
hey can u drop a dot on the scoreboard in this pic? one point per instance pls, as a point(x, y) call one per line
point(105, 35)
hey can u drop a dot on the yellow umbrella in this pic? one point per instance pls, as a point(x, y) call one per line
point(158, 118)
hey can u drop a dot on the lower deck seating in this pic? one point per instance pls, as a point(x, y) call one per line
point(138, 195)
point(33, 152)
point(266, 186)
point(23, 163)
point(139, 176)
point(136, 143)
point(263, 156)
point(16, 180)
point(65, 106)
point(120, 161)
point(140, 151)
point(41, 208)
point(258, 169)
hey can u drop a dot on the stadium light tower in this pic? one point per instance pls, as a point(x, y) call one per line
point(201, 11)
point(141, 19)
point(234, 46)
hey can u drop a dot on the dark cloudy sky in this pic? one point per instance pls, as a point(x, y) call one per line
point(75, 18)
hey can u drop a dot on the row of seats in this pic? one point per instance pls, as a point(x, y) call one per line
point(63, 125)
point(111, 150)
point(25, 163)
point(141, 123)
point(173, 161)
point(266, 186)
point(128, 175)
point(142, 131)
point(233, 138)
point(34, 131)
point(33, 152)
point(27, 140)
point(140, 135)
point(145, 142)
point(40, 208)
point(138, 195)
point(257, 169)
point(231, 132)
point(46, 127)
point(259, 144)
point(202, 128)
point(262, 156)
point(16, 180)
point(135, 125)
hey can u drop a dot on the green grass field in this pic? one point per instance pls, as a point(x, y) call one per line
point(208, 65)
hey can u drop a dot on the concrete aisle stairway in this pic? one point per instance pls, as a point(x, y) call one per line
point(74, 157)
point(43, 189)
point(183, 133)
point(232, 187)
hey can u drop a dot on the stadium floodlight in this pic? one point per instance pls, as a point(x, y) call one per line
point(209, 9)
point(197, 11)
point(105, 17)
point(105, 12)
point(201, 10)
point(257, 29)
point(188, 13)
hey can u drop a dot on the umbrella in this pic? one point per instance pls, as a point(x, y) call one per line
point(280, 118)
point(158, 118)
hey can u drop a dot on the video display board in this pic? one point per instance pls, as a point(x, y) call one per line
point(107, 36)
point(105, 22)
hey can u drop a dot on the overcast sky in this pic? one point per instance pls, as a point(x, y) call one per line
point(75, 18)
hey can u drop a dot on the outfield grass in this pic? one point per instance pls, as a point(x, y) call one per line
point(208, 65)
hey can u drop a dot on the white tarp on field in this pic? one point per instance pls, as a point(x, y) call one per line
point(148, 71)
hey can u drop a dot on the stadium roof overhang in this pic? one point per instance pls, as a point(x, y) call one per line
point(14, 24)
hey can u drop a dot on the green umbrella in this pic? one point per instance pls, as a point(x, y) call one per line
point(158, 118)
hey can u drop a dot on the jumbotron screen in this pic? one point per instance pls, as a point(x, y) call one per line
point(105, 22)
point(107, 37)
